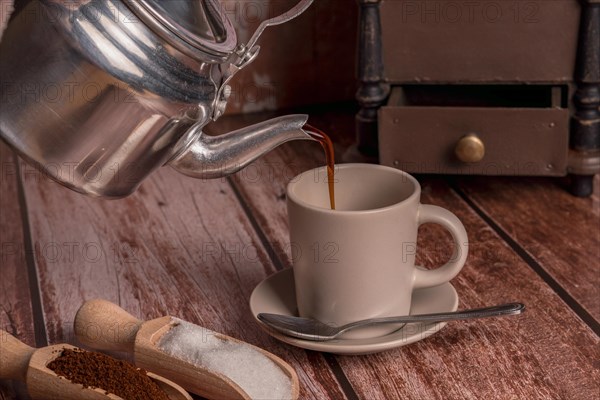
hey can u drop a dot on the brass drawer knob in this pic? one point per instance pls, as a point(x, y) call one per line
point(470, 149)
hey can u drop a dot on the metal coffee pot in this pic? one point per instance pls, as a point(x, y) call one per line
point(99, 93)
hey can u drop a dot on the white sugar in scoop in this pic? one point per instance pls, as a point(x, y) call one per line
point(244, 364)
point(206, 363)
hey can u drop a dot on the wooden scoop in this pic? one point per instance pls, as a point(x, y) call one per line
point(103, 325)
point(20, 362)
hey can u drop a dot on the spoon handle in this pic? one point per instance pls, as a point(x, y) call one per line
point(14, 357)
point(102, 325)
point(486, 312)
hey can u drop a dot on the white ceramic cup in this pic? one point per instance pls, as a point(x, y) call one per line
point(358, 261)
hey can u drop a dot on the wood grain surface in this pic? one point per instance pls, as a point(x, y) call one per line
point(559, 231)
point(16, 315)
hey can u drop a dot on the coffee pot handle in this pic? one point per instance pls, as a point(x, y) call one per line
point(437, 215)
point(295, 11)
point(246, 53)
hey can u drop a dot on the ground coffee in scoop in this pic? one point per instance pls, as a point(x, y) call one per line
point(96, 370)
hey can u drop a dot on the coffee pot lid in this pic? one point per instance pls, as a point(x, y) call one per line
point(198, 28)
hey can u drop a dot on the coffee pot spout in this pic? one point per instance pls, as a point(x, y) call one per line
point(211, 157)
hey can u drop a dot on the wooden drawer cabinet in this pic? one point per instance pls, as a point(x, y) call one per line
point(521, 78)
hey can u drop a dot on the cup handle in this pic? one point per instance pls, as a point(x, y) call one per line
point(426, 278)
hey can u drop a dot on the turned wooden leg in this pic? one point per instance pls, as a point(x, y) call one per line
point(584, 156)
point(372, 91)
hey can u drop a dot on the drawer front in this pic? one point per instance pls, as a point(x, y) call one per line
point(517, 141)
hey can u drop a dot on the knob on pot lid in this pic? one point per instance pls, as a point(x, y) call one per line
point(198, 28)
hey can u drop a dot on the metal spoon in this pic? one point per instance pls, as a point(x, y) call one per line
point(311, 329)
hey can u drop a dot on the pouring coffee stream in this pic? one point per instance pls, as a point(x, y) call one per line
point(327, 144)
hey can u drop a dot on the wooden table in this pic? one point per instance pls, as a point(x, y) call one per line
point(196, 249)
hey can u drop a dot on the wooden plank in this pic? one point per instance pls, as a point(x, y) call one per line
point(546, 353)
point(558, 230)
point(178, 247)
point(16, 315)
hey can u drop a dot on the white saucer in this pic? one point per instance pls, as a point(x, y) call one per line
point(277, 295)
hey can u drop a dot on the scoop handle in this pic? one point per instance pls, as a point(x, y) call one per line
point(14, 357)
point(103, 325)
